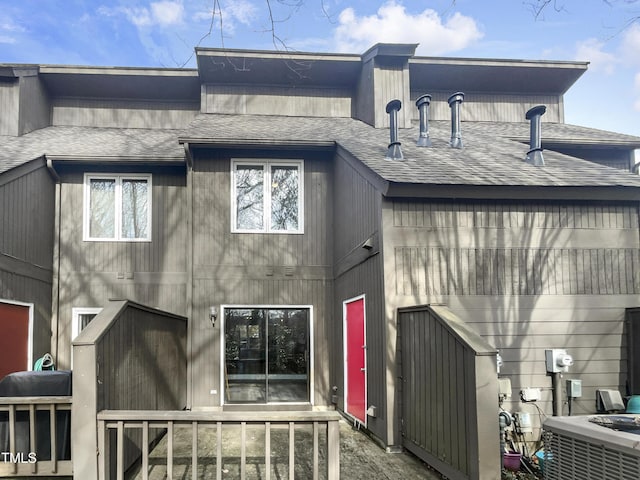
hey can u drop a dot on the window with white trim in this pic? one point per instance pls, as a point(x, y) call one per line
point(267, 196)
point(267, 354)
point(117, 207)
point(81, 317)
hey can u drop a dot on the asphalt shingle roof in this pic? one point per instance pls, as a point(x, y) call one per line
point(489, 156)
point(493, 152)
point(89, 142)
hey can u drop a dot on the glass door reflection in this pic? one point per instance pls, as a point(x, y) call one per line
point(266, 355)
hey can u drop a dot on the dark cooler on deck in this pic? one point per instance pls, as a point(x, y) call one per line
point(37, 384)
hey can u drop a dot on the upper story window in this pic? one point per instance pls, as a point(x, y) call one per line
point(117, 207)
point(267, 196)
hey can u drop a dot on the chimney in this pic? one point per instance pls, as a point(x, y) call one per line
point(423, 103)
point(534, 155)
point(394, 152)
point(454, 103)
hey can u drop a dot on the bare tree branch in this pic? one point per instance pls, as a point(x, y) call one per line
point(540, 6)
point(215, 6)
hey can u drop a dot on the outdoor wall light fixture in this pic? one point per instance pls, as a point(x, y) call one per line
point(213, 315)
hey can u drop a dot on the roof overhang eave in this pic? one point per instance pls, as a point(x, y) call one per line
point(580, 142)
point(256, 142)
point(118, 159)
point(514, 192)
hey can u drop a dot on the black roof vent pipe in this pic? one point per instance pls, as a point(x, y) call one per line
point(534, 155)
point(394, 152)
point(423, 103)
point(454, 103)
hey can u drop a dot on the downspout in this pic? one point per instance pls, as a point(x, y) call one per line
point(189, 164)
point(55, 281)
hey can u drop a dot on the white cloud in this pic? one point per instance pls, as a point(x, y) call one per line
point(240, 11)
point(392, 24)
point(139, 16)
point(631, 44)
point(636, 105)
point(10, 26)
point(167, 12)
point(7, 39)
point(9, 29)
point(592, 50)
point(163, 13)
point(628, 54)
point(243, 12)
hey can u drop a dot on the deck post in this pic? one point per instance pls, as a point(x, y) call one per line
point(84, 435)
point(333, 450)
point(103, 472)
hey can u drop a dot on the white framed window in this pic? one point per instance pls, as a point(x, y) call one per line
point(117, 207)
point(267, 196)
point(81, 316)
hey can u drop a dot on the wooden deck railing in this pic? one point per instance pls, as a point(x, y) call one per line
point(322, 426)
point(22, 422)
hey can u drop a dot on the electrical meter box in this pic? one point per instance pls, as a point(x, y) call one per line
point(557, 360)
point(574, 388)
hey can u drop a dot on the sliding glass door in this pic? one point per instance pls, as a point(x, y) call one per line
point(266, 355)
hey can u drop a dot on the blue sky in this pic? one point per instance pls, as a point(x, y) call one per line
point(164, 32)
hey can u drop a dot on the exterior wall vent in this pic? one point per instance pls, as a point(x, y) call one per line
point(394, 152)
point(423, 103)
point(454, 103)
point(534, 155)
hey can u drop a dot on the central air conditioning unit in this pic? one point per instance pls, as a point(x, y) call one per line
point(576, 449)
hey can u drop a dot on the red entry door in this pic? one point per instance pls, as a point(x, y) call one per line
point(355, 359)
point(14, 338)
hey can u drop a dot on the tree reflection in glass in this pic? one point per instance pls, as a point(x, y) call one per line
point(102, 222)
point(284, 197)
point(249, 197)
point(134, 208)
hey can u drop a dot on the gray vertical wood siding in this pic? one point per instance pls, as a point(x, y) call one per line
point(257, 269)
point(88, 112)
point(364, 107)
point(377, 86)
point(527, 277)
point(390, 83)
point(35, 109)
point(359, 271)
point(151, 273)
point(26, 245)
point(10, 107)
point(299, 101)
point(24, 104)
point(491, 107)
